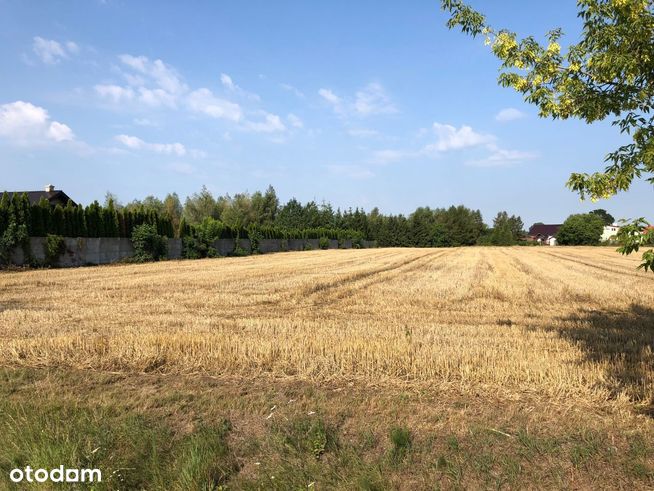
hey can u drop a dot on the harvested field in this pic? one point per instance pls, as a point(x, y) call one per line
point(537, 361)
point(563, 321)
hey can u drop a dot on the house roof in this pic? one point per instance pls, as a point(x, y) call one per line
point(544, 230)
point(54, 197)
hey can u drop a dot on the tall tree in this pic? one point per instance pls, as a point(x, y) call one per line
point(584, 229)
point(172, 209)
point(265, 207)
point(604, 215)
point(199, 206)
point(608, 73)
point(291, 215)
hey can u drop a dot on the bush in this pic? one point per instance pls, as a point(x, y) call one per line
point(584, 229)
point(196, 248)
point(148, 244)
point(199, 243)
point(12, 237)
point(239, 251)
point(256, 236)
point(53, 247)
point(323, 243)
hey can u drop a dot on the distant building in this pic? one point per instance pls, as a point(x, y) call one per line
point(610, 232)
point(543, 233)
point(54, 197)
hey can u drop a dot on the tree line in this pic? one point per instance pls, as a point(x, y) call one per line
point(257, 216)
point(263, 212)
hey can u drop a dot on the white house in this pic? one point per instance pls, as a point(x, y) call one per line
point(551, 241)
point(610, 231)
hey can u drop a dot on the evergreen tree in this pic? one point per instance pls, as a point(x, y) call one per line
point(69, 220)
point(4, 213)
point(58, 220)
point(110, 220)
point(94, 224)
point(80, 222)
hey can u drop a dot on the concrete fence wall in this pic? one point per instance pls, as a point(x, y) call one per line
point(83, 251)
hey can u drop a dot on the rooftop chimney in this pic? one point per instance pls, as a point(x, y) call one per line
point(49, 188)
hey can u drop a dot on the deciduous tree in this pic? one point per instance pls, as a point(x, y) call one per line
point(608, 73)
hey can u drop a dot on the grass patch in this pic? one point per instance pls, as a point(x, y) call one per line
point(401, 440)
point(152, 432)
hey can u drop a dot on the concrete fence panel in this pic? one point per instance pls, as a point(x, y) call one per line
point(80, 251)
point(270, 245)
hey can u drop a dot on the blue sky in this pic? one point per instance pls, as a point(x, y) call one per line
point(366, 103)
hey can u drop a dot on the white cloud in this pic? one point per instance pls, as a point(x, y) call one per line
point(204, 101)
point(115, 93)
point(294, 90)
point(136, 143)
point(351, 171)
point(157, 97)
point(509, 114)
point(330, 97)
point(271, 124)
point(24, 123)
point(450, 138)
point(59, 132)
point(501, 157)
point(51, 51)
point(164, 76)
point(72, 47)
point(295, 121)
point(372, 99)
point(229, 84)
point(154, 84)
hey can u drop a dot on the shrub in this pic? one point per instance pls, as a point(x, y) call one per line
point(256, 236)
point(238, 250)
point(148, 244)
point(12, 237)
point(196, 248)
point(53, 247)
point(199, 243)
point(584, 229)
point(323, 243)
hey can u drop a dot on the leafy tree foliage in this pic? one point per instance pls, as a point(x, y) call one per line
point(636, 235)
point(608, 73)
point(256, 217)
point(172, 209)
point(507, 230)
point(200, 205)
point(53, 247)
point(583, 229)
point(148, 244)
point(604, 215)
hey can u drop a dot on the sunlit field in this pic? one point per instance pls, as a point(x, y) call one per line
point(544, 352)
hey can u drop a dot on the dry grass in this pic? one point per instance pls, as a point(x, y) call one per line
point(525, 368)
point(566, 321)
